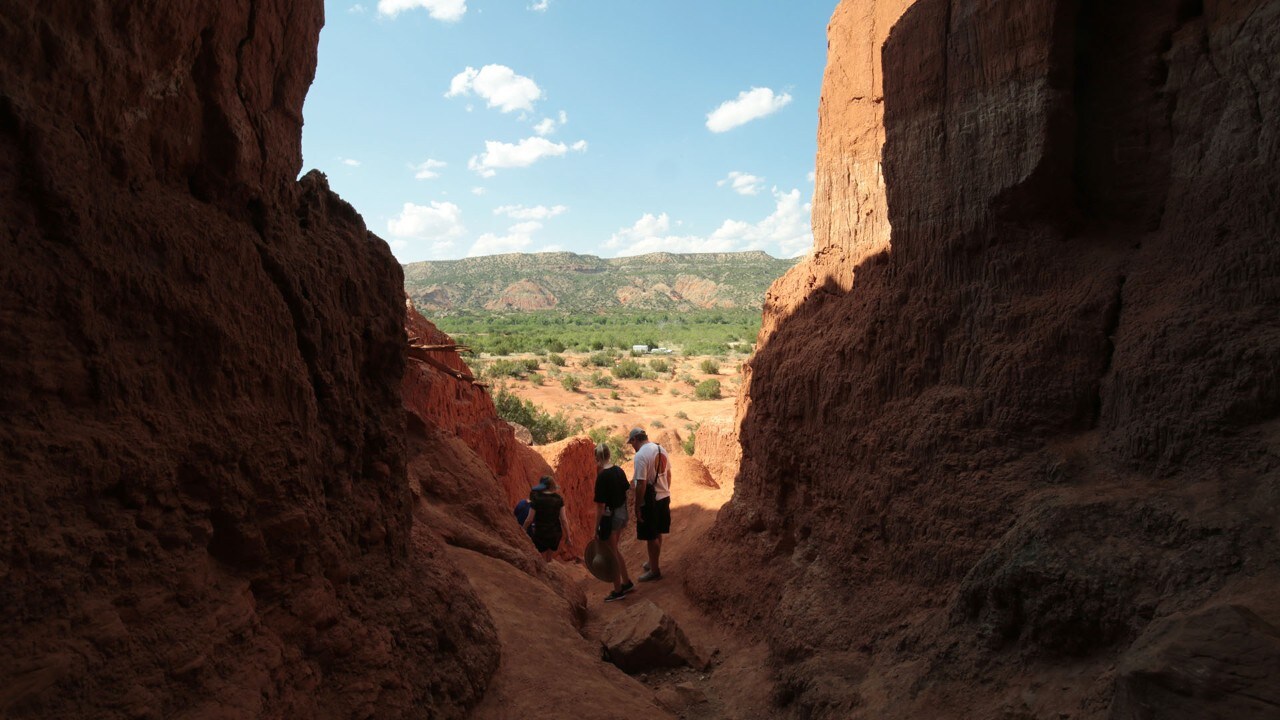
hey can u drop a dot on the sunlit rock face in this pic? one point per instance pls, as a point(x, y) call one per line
point(1011, 427)
point(205, 506)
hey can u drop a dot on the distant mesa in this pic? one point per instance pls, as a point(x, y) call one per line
point(586, 283)
point(523, 295)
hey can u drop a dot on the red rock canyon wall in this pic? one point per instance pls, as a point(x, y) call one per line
point(205, 506)
point(1010, 443)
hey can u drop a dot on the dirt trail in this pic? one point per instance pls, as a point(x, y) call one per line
point(550, 668)
point(737, 685)
point(548, 671)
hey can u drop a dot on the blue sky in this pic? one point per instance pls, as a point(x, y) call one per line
point(474, 127)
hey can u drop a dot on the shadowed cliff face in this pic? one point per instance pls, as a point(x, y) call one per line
point(1009, 446)
point(205, 508)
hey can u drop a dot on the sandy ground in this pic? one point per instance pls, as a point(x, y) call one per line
point(638, 402)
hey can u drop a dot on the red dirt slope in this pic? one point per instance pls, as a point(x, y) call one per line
point(205, 508)
point(1010, 443)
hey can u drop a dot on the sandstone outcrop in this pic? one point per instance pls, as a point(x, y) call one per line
point(573, 463)
point(645, 638)
point(715, 443)
point(205, 510)
point(1012, 425)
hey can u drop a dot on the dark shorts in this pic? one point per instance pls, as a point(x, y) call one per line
point(657, 520)
point(545, 542)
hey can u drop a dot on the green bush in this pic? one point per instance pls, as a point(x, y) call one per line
point(627, 369)
point(556, 359)
point(682, 415)
point(709, 366)
point(544, 426)
point(570, 383)
point(616, 443)
point(531, 364)
point(600, 359)
point(660, 366)
point(688, 443)
point(600, 380)
point(707, 390)
point(658, 424)
point(614, 409)
point(555, 346)
point(687, 378)
point(501, 368)
point(536, 379)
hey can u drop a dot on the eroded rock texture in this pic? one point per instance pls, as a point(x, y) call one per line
point(205, 507)
point(1013, 426)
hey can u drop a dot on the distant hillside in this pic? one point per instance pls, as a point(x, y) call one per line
point(565, 281)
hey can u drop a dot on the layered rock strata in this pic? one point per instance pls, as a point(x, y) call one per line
point(1012, 426)
point(205, 506)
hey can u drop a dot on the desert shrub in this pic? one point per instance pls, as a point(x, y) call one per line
point(635, 353)
point(613, 394)
point(531, 364)
point(556, 359)
point(502, 367)
point(600, 380)
point(616, 443)
point(687, 378)
point(613, 409)
point(707, 390)
point(709, 366)
point(658, 424)
point(627, 369)
point(570, 382)
point(600, 359)
point(597, 345)
point(682, 415)
point(688, 443)
point(544, 426)
point(536, 379)
point(555, 346)
point(540, 352)
point(674, 392)
point(648, 375)
point(659, 366)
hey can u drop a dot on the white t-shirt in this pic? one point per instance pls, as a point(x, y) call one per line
point(646, 467)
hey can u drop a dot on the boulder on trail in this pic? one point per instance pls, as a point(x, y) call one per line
point(644, 638)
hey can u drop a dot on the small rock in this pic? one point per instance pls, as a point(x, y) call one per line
point(644, 638)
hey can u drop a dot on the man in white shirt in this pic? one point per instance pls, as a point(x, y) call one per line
point(652, 476)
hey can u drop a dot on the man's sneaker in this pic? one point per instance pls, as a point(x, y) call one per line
point(650, 576)
point(645, 566)
point(615, 595)
point(627, 587)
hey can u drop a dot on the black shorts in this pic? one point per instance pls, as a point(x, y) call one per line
point(545, 542)
point(656, 520)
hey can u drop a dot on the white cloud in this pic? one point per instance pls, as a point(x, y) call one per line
point(499, 155)
point(439, 222)
point(518, 237)
point(580, 146)
point(742, 183)
point(785, 233)
point(540, 6)
point(537, 212)
point(811, 176)
point(349, 162)
point(427, 170)
point(564, 117)
point(546, 127)
point(750, 105)
point(356, 9)
point(478, 191)
point(499, 85)
point(443, 10)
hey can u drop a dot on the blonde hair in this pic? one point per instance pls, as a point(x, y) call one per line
point(602, 453)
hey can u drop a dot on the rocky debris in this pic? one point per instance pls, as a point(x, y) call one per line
point(644, 638)
point(1220, 662)
point(681, 696)
point(205, 509)
point(1017, 408)
point(522, 433)
point(715, 443)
